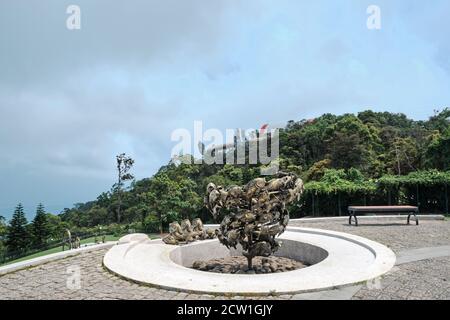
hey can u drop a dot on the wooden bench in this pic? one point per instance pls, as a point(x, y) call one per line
point(355, 210)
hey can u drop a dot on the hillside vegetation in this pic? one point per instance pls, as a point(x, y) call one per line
point(357, 158)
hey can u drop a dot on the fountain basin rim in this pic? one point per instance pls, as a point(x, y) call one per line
point(351, 259)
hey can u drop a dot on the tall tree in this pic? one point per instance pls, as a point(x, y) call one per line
point(402, 157)
point(55, 226)
point(40, 227)
point(437, 154)
point(163, 197)
point(124, 164)
point(352, 143)
point(3, 227)
point(18, 237)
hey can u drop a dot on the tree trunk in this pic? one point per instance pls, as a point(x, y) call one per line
point(119, 195)
point(249, 262)
point(118, 211)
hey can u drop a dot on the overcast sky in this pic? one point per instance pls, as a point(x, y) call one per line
point(70, 100)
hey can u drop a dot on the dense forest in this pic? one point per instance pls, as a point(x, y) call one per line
point(368, 158)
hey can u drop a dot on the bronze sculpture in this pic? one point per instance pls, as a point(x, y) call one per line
point(72, 243)
point(187, 232)
point(256, 213)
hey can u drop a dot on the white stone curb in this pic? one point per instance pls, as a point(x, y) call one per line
point(51, 257)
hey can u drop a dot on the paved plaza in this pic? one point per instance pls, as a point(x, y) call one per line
point(419, 274)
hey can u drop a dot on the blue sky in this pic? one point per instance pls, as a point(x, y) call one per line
point(137, 70)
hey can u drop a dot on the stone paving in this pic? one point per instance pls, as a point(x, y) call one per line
point(425, 279)
point(421, 280)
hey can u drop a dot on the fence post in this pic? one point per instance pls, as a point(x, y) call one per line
point(318, 214)
point(446, 198)
point(417, 195)
point(339, 204)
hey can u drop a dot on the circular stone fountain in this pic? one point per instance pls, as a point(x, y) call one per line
point(335, 258)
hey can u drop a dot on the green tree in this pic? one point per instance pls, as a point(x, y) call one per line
point(3, 227)
point(40, 228)
point(56, 226)
point(151, 223)
point(18, 237)
point(402, 157)
point(124, 165)
point(163, 191)
point(317, 170)
point(440, 121)
point(96, 216)
point(3, 232)
point(438, 153)
point(352, 143)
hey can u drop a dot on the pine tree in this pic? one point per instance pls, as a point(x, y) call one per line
point(3, 230)
point(40, 227)
point(17, 238)
point(3, 227)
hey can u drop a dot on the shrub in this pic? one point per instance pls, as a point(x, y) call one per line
point(151, 223)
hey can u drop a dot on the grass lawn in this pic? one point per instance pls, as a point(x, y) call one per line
point(59, 248)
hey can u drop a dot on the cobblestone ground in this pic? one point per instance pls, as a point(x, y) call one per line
point(427, 279)
point(421, 280)
point(54, 281)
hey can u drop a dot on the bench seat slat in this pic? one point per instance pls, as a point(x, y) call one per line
point(378, 209)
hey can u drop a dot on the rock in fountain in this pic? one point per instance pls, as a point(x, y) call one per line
point(256, 213)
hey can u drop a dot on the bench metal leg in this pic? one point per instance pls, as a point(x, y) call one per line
point(415, 217)
point(350, 219)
